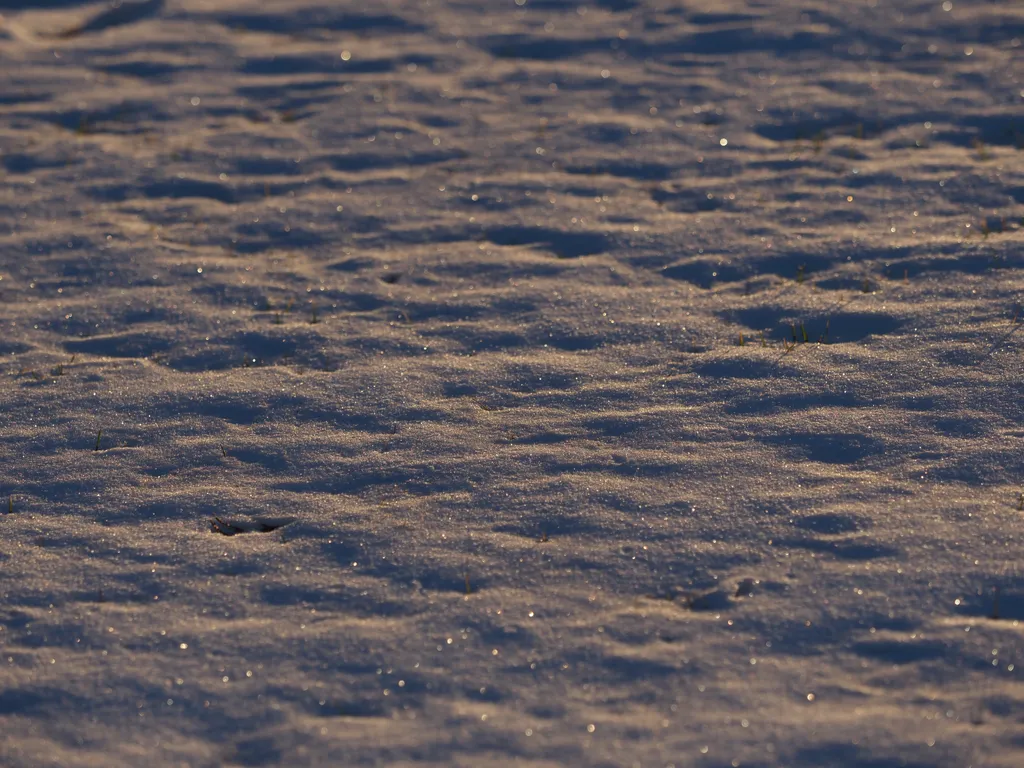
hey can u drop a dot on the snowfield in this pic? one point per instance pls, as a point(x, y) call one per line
point(522, 382)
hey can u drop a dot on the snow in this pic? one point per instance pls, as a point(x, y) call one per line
point(598, 383)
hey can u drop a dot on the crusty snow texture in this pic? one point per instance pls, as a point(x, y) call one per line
point(546, 383)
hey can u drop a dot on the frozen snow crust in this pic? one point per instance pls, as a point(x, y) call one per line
point(593, 383)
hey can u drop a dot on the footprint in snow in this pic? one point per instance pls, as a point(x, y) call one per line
point(235, 526)
point(710, 600)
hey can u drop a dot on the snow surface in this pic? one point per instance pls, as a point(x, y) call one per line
point(549, 383)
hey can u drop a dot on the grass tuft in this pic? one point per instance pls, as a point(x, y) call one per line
point(99, 436)
point(979, 146)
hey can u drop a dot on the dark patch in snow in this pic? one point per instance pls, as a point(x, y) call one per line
point(565, 245)
point(141, 345)
point(235, 526)
point(901, 651)
point(832, 524)
point(834, 448)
